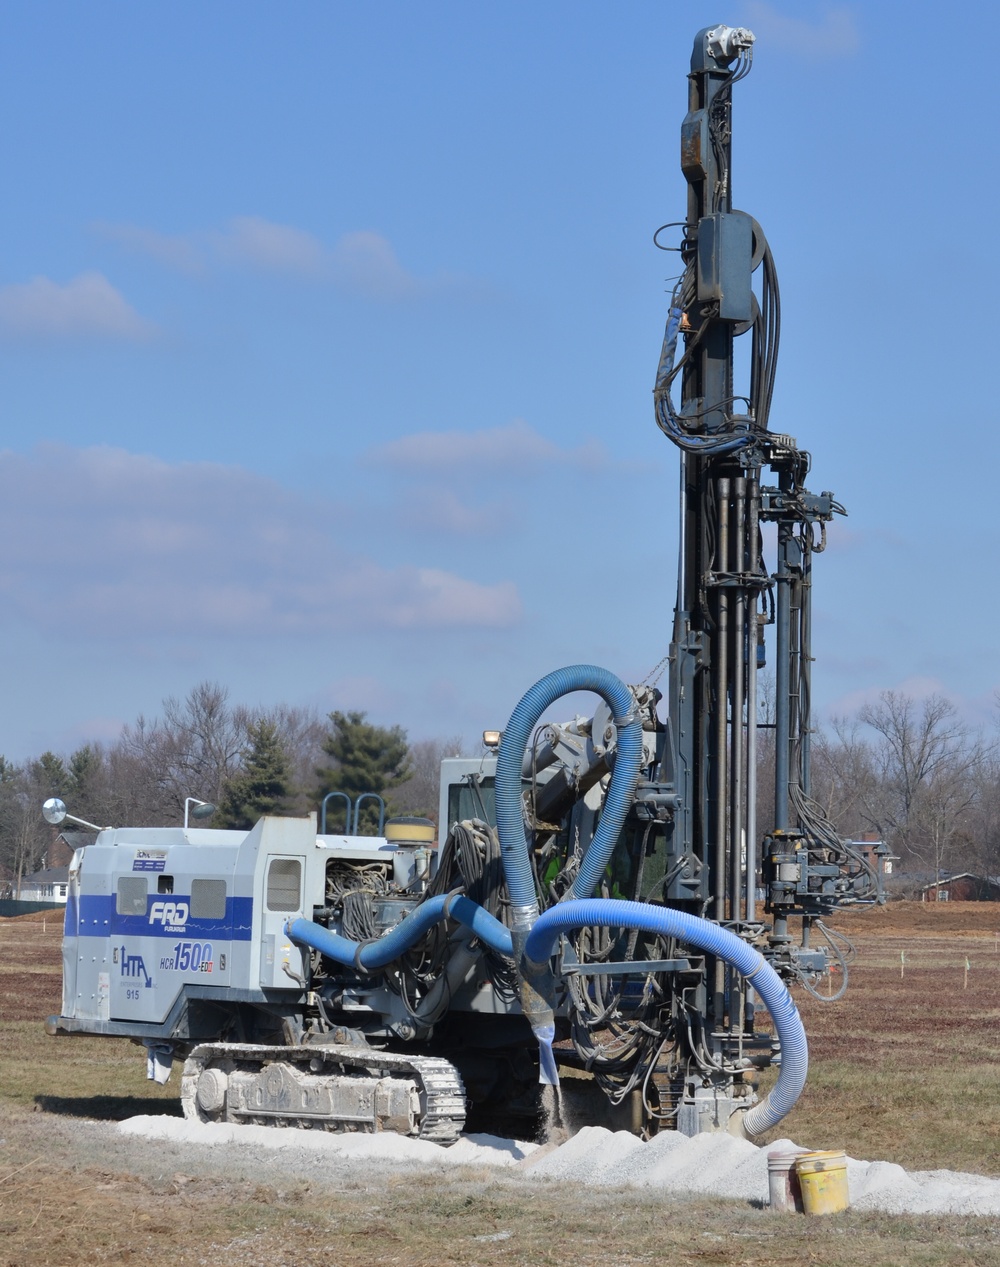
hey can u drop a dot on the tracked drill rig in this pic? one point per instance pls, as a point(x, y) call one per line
point(600, 896)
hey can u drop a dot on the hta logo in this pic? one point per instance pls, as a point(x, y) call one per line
point(134, 967)
point(170, 914)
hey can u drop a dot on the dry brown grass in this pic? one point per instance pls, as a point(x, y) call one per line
point(56, 1210)
point(907, 1067)
point(901, 1069)
point(83, 1077)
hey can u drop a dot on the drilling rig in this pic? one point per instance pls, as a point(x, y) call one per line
point(599, 896)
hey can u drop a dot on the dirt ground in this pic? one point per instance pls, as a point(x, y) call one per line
point(906, 1068)
point(30, 965)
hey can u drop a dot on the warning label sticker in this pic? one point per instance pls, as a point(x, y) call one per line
point(149, 860)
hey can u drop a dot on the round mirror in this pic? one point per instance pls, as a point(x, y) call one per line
point(202, 810)
point(54, 811)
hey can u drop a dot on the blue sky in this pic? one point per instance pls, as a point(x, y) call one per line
point(327, 334)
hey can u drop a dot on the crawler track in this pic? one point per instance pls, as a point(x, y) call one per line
point(329, 1088)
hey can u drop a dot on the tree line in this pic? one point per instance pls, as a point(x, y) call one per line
point(246, 762)
point(912, 772)
point(909, 770)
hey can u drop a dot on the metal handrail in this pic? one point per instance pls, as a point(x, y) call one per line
point(347, 812)
point(369, 796)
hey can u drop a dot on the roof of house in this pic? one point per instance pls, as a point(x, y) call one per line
point(77, 839)
point(992, 880)
point(51, 875)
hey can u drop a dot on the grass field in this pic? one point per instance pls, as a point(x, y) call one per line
point(905, 1068)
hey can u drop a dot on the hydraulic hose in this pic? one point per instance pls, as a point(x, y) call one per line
point(510, 818)
point(606, 913)
point(376, 954)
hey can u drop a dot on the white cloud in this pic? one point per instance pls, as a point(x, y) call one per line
point(110, 543)
point(835, 36)
point(175, 250)
point(246, 241)
point(279, 248)
point(366, 263)
point(419, 598)
point(86, 307)
point(513, 447)
point(361, 262)
point(917, 687)
point(436, 509)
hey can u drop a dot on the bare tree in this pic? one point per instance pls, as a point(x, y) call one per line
point(420, 794)
point(844, 775)
point(926, 763)
point(28, 840)
point(985, 831)
point(141, 776)
point(195, 750)
point(208, 736)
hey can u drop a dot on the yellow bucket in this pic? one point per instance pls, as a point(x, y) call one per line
point(823, 1181)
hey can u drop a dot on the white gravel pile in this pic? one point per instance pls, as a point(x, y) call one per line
point(712, 1165)
point(478, 1150)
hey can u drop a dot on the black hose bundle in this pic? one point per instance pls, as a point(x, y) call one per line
point(471, 861)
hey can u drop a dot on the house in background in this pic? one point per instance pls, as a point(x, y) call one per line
point(49, 885)
point(964, 887)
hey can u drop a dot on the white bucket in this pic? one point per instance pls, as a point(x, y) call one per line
point(783, 1181)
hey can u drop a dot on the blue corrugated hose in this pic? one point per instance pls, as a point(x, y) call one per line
point(376, 954)
point(576, 913)
point(605, 913)
point(510, 819)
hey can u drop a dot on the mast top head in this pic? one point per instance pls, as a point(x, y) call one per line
point(716, 46)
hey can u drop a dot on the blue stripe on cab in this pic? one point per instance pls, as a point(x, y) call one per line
point(98, 918)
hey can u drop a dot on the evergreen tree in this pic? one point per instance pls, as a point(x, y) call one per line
point(30, 837)
point(86, 784)
point(11, 810)
point(363, 758)
point(49, 774)
point(263, 785)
